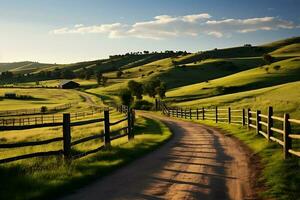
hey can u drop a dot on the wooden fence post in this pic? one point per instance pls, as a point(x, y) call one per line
point(270, 122)
point(67, 136)
point(156, 104)
point(203, 113)
point(197, 114)
point(287, 143)
point(181, 113)
point(248, 117)
point(129, 123)
point(185, 114)
point(106, 128)
point(258, 119)
point(190, 113)
point(216, 114)
point(229, 115)
point(177, 112)
point(243, 117)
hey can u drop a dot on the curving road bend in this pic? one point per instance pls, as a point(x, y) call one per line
point(197, 163)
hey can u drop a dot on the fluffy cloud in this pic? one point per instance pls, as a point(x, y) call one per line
point(165, 26)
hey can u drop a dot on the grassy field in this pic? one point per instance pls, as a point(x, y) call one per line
point(47, 178)
point(40, 97)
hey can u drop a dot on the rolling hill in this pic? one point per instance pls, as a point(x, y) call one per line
point(192, 78)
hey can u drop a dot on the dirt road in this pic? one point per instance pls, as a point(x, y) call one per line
point(197, 163)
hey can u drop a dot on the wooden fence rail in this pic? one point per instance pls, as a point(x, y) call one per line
point(66, 139)
point(20, 123)
point(274, 128)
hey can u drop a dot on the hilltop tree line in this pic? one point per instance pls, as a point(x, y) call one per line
point(89, 69)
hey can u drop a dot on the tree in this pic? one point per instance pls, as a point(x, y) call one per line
point(104, 80)
point(88, 74)
point(150, 87)
point(119, 73)
point(67, 74)
point(136, 89)
point(56, 73)
point(99, 77)
point(126, 97)
point(268, 58)
point(161, 90)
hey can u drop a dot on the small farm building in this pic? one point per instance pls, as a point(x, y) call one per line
point(68, 84)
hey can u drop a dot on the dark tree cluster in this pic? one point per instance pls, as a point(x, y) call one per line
point(136, 89)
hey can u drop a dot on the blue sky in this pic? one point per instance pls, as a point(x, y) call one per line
point(65, 31)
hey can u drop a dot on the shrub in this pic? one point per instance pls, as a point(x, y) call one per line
point(267, 69)
point(119, 73)
point(142, 105)
point(10, 95)
point(268, 58)
point(24, 97)
point(276, 67)
point(44, 109)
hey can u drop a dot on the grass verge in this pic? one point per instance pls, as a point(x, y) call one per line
point(281, 177)
point(49, 178)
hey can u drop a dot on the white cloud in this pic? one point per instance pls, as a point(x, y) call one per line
point(194, 18)
point(215, 34)
point(78, 25)
point(166, 26)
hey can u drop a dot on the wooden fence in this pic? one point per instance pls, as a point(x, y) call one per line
point(273, 128)
point(34, 111)
point(20, 123)
point(66, 137)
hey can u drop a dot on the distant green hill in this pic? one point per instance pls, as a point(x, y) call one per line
point(259, 77)
point(237, 52)
point(191, 77)
point(289, 50)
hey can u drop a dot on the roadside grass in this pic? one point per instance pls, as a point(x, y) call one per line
point(281, 177)
point(48, 178)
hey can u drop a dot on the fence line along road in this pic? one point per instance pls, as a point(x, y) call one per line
point(273, 128)
point(34, 111)
point(26, 122)
point(66, 138)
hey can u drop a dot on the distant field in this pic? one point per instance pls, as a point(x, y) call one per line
point(47, 97)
